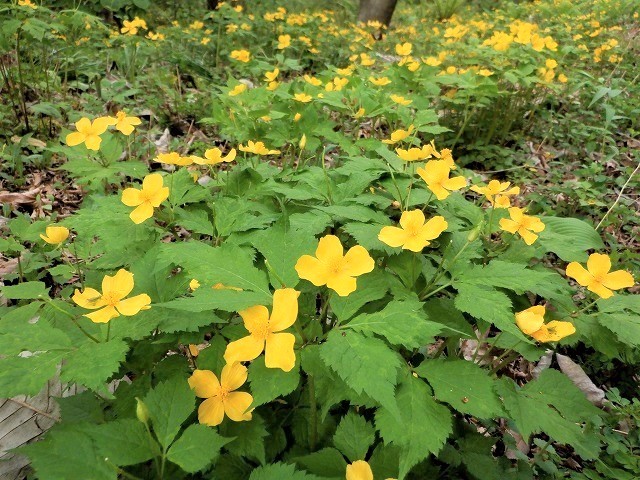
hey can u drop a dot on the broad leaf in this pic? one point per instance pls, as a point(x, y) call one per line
point(124, 442)
point(93, 363)
point(569, 238)
point(170, 403)
point(267, 384)
point(197, 447)
point(354, 436)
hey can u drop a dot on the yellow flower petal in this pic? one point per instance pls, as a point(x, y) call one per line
point(342, 284)
point(455, 183)
point(244, 350)
point(160, 196)
point(118, 286)
point(255, 318)
point(55, 234)
point(618, 279)
point(357, 261)
point(598, 264)
point(310, 268)
point(236, 405)
point(90, 298)
point(103, 315)
point(412, 219)
point(93, 142)
point(141, 213)
point(530, 320)
point(211, 412)
point(393, 236)
point(204, 383)
point(131, 197)
point(329, 247)
point(152, 182)
point(233, 376)
point(133, 305)
point(279, 351)
point(600, 290)
point(359, 470)
point(579, 274)
point(285, 309)
point(75, 138)
point(527, 236)
point(508, 225)
point(434, 227)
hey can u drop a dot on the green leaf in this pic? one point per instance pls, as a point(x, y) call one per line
point(248, 437)
point(267, 384)
point(327, 462)
point(124, 442)
point(626, 327)
point(463, 385)
point(443, 310)
point(228, 264)
point(27, 376)
point(365, 364)
point(93, 363)
point(569, 238)
point(400, 322)
point(170, 403)
point(372, 286)
point(68, 454)
point(196, 448)
point(26, 290)
point(206, 299)
point(354, 436)
point(551, 404)
point(423, 426)
point(282, 246)
point(367, 236)
point(280, 471)
point(487, 304)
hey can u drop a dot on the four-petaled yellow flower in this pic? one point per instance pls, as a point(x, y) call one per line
point(597, 276)
point(523, 224)
point(89, 132)
point(241, 55)
point(497, 193)
point(284, 41)
point(213, 156)
point(531, 322)
point(414, 153)
point(404, 49)
point(237, 90)
point(126, 124)
point(174, 158)
point(399, 135)
point(152, 194)
point(221, 396)
point(333, 268)
point(263, 336)
point(414, 234)
point(302, 97)
point(436, 174)
point(258, 148)
point(400, 100)
point(55, 235)
point(271, 76)
point(380, 82)
point(111, 301)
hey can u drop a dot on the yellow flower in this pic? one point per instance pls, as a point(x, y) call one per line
point(531, 322)
point(241, 55)
point(237, 90)
point(297, 117)
point(550, 63)
point(399, 135)
point(303, 142)
point(271, 76)
point(400, 100)
point(111, 301)
point(360, 470)
point(55, 235)
point(414, 234)
point(360, 113)
point(272, 86)
point(126, 124)
point(258, 148)
point(263, 336)
point(284, 41)
point(404, 49)
point(523, 224)
point(597, 276)
point(331, 268)
point(146, 199)
point(193, 350)
point(174, 158)
point(213, 156)
point(436, 174)
point(302, 97)
point(89, 132)
point(194, 284)
point(316, 82)
point(485, 72)
point(27, 3)
point(380, 82)
point(221, 396)
point(414, 153)
point(497, 193)
point(562, 78)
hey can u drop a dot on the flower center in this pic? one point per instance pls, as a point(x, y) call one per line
point(335, 265)
point(223, 393)
point(263, 332)
point(413, 230)
point(111, 299)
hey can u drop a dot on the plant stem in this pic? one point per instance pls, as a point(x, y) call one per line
point(74, 320)
point(313, 408)
point(108, 331)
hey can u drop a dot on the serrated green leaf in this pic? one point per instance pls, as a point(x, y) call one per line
point(354, 436)
point(569, 238)
point(400, 322)
point(27, 376)
point(443, 310)
point(267, 384)
point(367, 236)
point(93, 363)
point(170, 403)
point(423, 426)
point(280, 471)
point(206, 299)
point(463, 385)
point(327, 462)
point(282, 246)
point(124, 442)
point(196, 448)
point(372, 286)
point(26, 290)
point(626, 327)
point(248, 437)
point(366, 364)
point(551, 404)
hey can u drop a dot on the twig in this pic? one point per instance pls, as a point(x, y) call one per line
point(31, 407)
point(618, 197)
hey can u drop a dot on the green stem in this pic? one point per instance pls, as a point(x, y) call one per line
point(273, 272)
point(74, 320)
point(313, 410)
point(108, 331)
point(433, 292)
point(506, 361)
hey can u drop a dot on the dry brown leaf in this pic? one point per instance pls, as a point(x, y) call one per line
point(581, 380)
point(543, 364)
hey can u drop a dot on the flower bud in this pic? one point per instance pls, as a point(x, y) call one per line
point(475, 233)
point(142, 412)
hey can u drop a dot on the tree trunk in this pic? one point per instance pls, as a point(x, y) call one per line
point(376, 10)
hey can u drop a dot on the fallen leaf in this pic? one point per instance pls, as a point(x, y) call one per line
point(581, 380)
